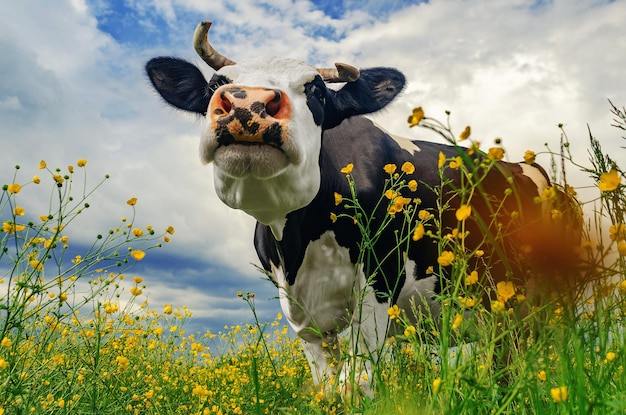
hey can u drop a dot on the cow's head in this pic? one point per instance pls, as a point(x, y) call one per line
point(264, 120)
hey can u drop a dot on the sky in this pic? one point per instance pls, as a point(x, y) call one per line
point(73, 87)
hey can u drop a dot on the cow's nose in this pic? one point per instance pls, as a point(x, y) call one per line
point(261, 101)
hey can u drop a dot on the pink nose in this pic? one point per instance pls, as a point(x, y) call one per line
point(250, 114)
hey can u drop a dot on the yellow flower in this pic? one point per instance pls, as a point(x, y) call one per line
point(445, 258)
point(463, 212)
point(430, 270)
point(3, 364)
point(347, 169)
point(42, 164)
point(70, 169)
point(416, 117)
point(617, 232)
point(122, 362)
point(81, 163)
point(391, 194)
point(529, 157)
point(542, 375)
point(167, 309)
point(465, 134)
point(456, 163)
point(609, 181)
point(419, 231)
point(132, 201)
point(496, 153)
point(497, 306)
point(424, 214)
point(36, 179)
point(394, 312)
point(458, 319)
point(390, 168)
point(505, 290)
point(19, 211)
point(472, 278)
point(170, 230)
point(338, 198)
point(412, 185)
point(14, 188)
point(408, 167)
point(58, 178)
point(333, 217)
point(138, 254)
point(6, 343)
point(442, 160)
point(409, 331)
point(621, 248)
point(436, 384)
point(11, 228)
point(136, 291)
point(137, 280)
point(137, 232)
point(36, 264)
point(559, 394)
point(610, 356)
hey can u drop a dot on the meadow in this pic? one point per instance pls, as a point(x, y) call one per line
point(78, 337)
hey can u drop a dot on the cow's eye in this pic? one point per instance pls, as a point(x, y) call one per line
point(315, 91)
point(217, 81)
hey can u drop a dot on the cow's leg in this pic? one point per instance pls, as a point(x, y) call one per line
point(322, 353)
point(367, 337)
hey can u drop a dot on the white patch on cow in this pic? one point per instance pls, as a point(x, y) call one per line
point(277, 181)
point(330, 294)
point(540, 181)
point(405, 143)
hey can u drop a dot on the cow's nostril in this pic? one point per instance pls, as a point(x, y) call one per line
point(273, 106)
point(225, 103)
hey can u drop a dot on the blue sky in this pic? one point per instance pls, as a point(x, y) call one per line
point(73, 87)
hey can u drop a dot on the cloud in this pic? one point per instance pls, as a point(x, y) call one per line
point(73, 87)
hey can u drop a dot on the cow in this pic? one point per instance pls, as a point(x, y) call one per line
point(279, 138)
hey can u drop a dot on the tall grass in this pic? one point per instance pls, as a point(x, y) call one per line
point(77, 336)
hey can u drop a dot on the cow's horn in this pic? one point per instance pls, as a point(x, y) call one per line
point(342, 72)
point(202, 46)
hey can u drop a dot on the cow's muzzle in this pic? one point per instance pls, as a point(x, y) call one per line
point(250, 115)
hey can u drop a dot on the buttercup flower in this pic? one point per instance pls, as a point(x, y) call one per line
point(505, 290)
point(390, 168)
point(42, 164)
point(416, 116)
point(463, 212)
point(132, 201)
point(542, 375)
point(408, 167)
point(419, 231)
point(338, 198)
point(424, 214)
point(347, 169)
point(138, 254)
point(436, 384)
point(14, 188)
point(412, 185)
point(394, 312)
point(465, 134)
point(529, 157)
point(472, 278)
point(559, 394)
point(81, 163)
point(442, 160)
point(137, 232)
point(456, 163)
point(19, 211)
point(617, 232)
point(58, 178)
point(458, 319)
point(36, 179)
point(445, 258)
point(496, 153)
point(609, 181)
point(409, 331)
point(170, 230)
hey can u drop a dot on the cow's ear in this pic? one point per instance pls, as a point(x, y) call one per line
point(180, 83)
point(375, 88)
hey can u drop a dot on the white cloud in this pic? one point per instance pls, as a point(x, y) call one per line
point(509, 69)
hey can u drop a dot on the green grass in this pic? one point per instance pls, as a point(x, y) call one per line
point(77, 336)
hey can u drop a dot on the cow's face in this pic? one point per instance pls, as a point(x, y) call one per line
point(264, 123)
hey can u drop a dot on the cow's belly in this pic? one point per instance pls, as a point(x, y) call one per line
point(323, 295)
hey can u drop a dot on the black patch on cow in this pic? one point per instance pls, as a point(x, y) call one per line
point(179, 83)
point(223, 135)
point(273, 135)
point(238, 93)
point(217, 81)
point(258, 108)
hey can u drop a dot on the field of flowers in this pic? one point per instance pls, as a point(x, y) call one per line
point(78, 337)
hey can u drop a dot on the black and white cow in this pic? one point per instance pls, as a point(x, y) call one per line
point(278, 137)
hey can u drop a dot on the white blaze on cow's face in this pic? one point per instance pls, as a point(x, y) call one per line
point(262, 138)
